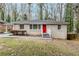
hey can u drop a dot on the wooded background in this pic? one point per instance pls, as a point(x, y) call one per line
point(69, 12)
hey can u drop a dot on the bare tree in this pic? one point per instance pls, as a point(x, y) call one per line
point(76, 17)
point(29, 11)
point(59, 9)
point(14, 12)
point(46, 11)
point(2, 8)
point(40, 6)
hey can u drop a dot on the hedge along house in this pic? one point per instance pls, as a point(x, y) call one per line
point(45, 28)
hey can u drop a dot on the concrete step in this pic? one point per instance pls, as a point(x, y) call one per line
point(46, 35)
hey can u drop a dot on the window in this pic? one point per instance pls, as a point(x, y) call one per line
point(34, 26)
point(21, 26)
point(59, 26)
point(30, 26)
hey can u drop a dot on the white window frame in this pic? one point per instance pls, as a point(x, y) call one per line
point(37, 29)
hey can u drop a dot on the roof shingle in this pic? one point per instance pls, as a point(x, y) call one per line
point(40, 22)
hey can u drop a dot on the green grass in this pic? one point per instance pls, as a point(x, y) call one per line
point(14, 47)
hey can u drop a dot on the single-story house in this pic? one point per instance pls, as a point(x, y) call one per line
point(56, 29)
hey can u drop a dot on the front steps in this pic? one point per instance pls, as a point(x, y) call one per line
point(46, 36)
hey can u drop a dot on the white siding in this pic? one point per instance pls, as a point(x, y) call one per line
point(26, 27)
point(58, 33)
point(32, 31)
point(16, 27)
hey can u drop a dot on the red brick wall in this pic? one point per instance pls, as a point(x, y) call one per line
point(2, 27)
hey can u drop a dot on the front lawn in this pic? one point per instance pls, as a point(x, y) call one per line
point(21, 47)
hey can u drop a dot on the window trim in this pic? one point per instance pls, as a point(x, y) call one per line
point(34, 26)
point(37, 28)
point(21, 26)
point(59, 27)
point(31, 26)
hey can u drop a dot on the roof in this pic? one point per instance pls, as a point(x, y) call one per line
point(40, 22)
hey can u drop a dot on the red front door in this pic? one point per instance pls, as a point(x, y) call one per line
point(44, 28)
